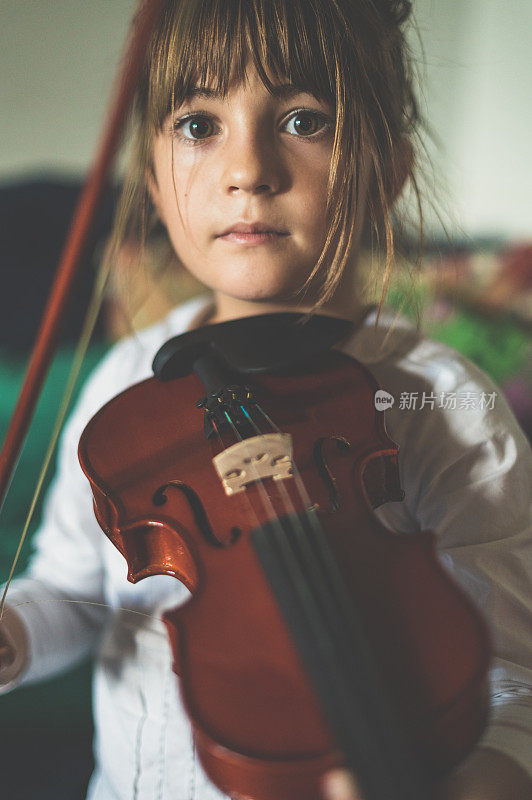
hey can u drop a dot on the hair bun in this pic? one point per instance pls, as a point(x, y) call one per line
point(398, 11)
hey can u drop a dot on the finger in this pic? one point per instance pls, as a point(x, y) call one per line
point(7, 656)
point(339, 784)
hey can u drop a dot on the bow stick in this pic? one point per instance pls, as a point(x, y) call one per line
point(45, 344)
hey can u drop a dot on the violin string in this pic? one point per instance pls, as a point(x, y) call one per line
point(318, 614)
point(327, 563)
point(327, 560)
point(86, 603)
point(285, 497)
point(313, 550)
point(314, 593)
point(283, 535)
point(265, 497)
point(293, 526)
point(258, 481)
point(338, 668)
point(237, 435)
point(299, 540)
point(311, 572)
point(313, 556)
point(342, 631)
point(318, 561)
point(289, 558)
point(316, 629)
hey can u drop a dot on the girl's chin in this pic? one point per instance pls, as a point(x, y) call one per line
point(255, 288)
point(260, 294)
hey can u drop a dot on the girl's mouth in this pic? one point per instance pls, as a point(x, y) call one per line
point(261, 237)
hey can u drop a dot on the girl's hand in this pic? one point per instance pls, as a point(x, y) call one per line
point(485, 775)
point(339, 784)
point(7, 656)
point(7, 653)
point(7, 659)
point(13, 647)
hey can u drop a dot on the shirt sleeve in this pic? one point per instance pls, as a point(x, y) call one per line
point(468, 478)
point(60, 598)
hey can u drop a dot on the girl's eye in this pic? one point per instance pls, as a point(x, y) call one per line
point(194, 128)
point(197, 128)
point(308, 123)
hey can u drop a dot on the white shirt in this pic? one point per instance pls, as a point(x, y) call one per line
point(467, 474)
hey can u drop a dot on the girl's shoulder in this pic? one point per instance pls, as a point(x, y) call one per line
point(452, 423)
point(129, 361)
point(422, 374)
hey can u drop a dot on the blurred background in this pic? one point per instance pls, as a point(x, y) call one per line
point(472, 287)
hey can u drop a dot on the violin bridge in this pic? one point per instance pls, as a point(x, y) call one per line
point(253, 459)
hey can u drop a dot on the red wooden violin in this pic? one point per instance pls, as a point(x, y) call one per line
point(249, 468)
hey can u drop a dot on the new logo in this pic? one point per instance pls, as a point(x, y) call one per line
point(383, 400)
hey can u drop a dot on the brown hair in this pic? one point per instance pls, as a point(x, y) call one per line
point(352, 53)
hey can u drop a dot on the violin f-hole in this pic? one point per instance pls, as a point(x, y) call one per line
point(323, 468)
point(159, 498)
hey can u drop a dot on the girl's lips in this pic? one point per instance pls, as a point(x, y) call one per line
point(265, 237)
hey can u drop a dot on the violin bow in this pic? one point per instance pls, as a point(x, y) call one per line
point(145, 18)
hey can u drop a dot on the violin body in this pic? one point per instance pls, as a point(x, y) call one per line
point(259, 727)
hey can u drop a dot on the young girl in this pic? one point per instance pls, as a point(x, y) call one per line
point(272, 135)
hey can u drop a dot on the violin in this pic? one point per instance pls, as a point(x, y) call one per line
point(249, 467)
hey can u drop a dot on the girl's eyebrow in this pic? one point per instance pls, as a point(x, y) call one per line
point(283, 90)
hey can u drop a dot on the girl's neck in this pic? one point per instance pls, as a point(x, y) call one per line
point(345, 303)
point(227, 308)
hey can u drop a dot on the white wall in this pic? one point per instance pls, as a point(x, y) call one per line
point(57, 62)
point(479, 101)
point(58, 57)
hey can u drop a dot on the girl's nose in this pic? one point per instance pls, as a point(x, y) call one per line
point(252, 165)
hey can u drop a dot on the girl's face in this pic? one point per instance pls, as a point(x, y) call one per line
point(249, 159)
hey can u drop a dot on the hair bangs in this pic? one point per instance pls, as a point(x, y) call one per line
point(208, 43)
